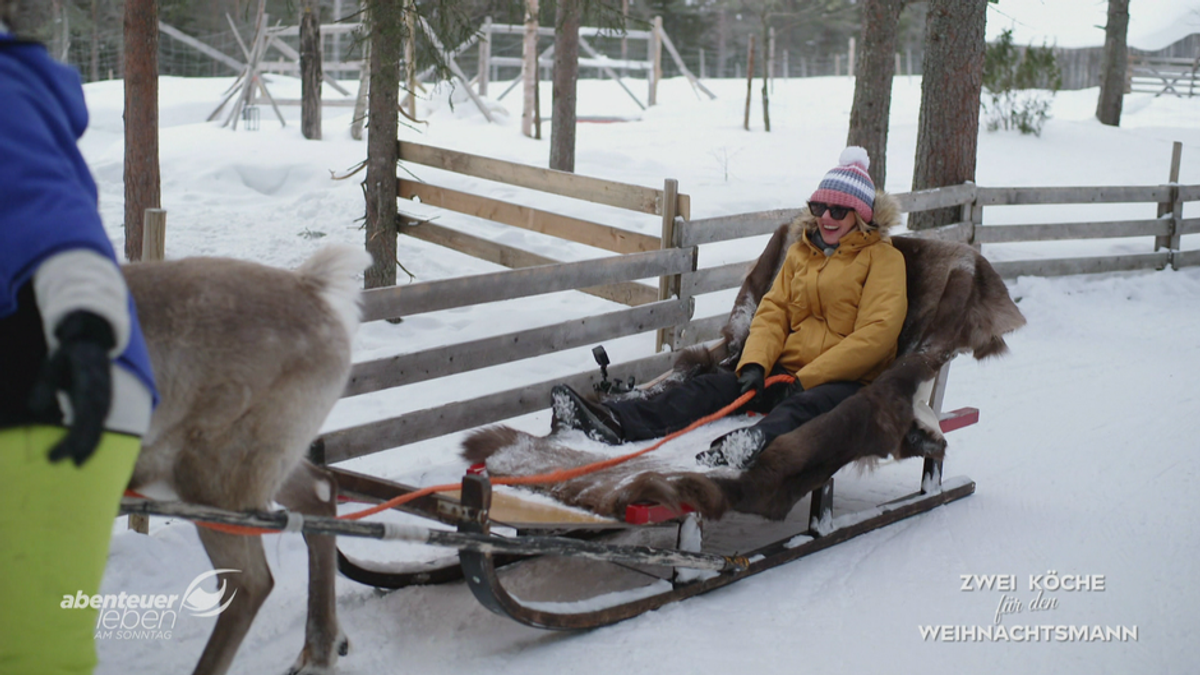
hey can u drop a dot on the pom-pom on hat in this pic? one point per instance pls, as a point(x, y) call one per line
point(848, 184)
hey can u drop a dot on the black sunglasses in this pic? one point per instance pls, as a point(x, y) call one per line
point(836, 212)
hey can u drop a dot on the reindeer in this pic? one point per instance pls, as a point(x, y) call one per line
point(249, 360)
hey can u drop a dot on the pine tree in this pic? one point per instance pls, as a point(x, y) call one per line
point(1019, 84)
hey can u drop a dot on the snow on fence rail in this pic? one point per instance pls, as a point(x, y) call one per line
point(673, 259)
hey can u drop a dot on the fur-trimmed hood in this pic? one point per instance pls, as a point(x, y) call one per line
point(887, 216)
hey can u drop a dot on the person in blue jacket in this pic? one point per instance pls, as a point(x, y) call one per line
point(76, 390)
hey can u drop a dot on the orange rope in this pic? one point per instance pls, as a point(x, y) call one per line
point(557, 476)
point(568, 474)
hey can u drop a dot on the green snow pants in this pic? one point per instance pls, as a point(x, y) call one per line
point(55, 524)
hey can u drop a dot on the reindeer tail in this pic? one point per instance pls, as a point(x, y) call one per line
point(332, 273)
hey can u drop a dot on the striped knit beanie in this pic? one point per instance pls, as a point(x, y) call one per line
point(849, 184)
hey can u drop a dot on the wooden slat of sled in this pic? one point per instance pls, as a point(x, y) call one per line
point(512, 509)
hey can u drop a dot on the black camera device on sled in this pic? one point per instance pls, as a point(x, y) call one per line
point(605, 386)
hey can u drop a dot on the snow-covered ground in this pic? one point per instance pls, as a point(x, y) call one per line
point(1084, 456)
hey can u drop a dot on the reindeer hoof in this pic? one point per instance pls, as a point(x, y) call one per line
point(309, 664)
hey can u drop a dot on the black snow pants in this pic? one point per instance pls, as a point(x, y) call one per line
point(786, 406)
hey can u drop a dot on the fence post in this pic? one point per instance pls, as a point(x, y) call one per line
point(485, 55)
point(674, 206)
point(668, 285)
point(1170, 240)
point(656, 59)
point(972, 214)
point(154, 234)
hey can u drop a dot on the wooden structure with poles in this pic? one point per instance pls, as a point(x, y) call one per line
point(250, 84)
point(656, 37)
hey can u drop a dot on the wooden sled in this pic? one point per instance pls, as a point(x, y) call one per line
point(477, 510)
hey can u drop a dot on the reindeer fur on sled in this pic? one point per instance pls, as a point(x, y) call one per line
point(956, 303)
point(249, 360)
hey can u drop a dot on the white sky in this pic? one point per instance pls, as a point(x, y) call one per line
point(1153, 24)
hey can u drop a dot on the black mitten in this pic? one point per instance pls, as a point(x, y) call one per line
point(81, 367)
point(751, 378)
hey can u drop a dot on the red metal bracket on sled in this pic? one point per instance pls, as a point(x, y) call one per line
point(645, 513)
point(957, 419)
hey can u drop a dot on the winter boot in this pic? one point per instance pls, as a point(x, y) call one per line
point(737, 449)
point(572, 411)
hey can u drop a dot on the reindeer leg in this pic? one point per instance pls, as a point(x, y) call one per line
point(252, 585)
point(312, 490)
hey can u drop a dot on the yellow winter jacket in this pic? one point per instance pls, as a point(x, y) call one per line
point(832, 318)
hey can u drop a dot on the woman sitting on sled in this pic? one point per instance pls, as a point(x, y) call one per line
point(831, 320)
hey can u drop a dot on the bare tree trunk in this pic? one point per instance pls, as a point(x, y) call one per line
point(768, 46)
point(749, 81)
point(1112, 74)
point(624, 39)
point(566, 76)
point(60, 33)
point(142, 185)
point(95, 65)
point(873, 85)
point(410, 55)
point(722, 41)
point(387, 31)
point(948, 130)
point(529, 68)
point(310, 73)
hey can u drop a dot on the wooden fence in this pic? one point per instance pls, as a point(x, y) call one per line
point(1082, 67)
point(1165, 75)
point(669, 309)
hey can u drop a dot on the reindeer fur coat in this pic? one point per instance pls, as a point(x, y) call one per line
point(956, 303)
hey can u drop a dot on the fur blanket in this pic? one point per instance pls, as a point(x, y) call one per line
point(956, 303)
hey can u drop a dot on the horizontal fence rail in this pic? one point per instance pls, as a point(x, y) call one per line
point(421, 425)
point(535, 220)
point(1072, 195)
point(611, 193)
point(430, 296)
point(404, 369)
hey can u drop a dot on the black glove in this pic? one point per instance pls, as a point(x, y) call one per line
point(751, 378)
point(80, 367)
